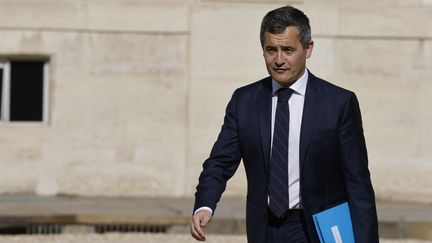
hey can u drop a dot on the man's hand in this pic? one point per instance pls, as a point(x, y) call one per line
point(198, 223)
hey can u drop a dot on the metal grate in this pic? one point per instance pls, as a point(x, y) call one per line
point(44, 229)
point(131, 228)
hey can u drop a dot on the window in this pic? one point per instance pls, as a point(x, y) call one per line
point(23, 90)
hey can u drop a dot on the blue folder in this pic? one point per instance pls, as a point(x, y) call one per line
point(334, 225)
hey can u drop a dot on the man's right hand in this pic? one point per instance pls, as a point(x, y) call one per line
point(199, 221)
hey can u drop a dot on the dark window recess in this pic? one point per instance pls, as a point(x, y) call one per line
point(1, 92)
point(26, 91)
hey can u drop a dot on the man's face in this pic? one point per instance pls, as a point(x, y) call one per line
point(285, 56)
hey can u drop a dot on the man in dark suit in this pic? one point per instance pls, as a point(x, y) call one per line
point(301, 141)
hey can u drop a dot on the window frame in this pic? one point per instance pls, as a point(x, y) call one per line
point(5, 64)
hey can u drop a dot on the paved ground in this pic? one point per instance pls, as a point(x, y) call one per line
point(140, 238)
point(397, 220)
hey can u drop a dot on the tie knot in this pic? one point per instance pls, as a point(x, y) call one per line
point(284, 94)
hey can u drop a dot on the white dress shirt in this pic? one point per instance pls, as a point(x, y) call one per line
point(295, 103)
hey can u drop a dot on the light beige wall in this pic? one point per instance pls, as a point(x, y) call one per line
point(384, 55)
point(138, 89)
point(381, 52)
point(118, 98)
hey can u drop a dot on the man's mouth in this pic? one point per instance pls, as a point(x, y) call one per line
point(280, 70)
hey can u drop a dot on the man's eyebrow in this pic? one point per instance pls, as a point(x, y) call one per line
point(276, 46)
point(288, 47)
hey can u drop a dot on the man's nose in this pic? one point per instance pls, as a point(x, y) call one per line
point(279, 59)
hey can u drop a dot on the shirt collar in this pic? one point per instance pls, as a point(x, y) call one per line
point(298, 86)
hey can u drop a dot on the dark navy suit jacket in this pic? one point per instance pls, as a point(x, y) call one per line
point(333, 157)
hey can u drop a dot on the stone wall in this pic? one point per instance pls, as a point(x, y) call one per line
point(137, 89)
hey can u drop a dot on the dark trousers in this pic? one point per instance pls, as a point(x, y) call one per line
point(291, 228)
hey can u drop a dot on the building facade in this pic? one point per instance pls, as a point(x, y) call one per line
point(125, 98)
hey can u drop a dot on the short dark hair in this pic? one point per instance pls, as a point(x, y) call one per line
point(277, 20)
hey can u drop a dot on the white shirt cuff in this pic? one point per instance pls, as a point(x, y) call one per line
point(204, 208)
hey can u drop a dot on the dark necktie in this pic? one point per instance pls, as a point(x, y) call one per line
point(278, 178)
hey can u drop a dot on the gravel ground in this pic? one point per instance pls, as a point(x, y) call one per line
point(138, 238)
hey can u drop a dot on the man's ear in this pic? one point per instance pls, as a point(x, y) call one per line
point(309, 49)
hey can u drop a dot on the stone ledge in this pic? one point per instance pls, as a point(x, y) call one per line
point(396, 220)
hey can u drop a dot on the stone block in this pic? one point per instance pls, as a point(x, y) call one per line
point(418, 230)
point(43, 14)
point(323, 60)
point(386, 59)
point(284, 2)
point(17, 177)
point(227, 38)
point(117, 179)
point(376, 3)
point(99, 54)
point(380, 3)
point(131, 15)
point(135, 15)
point(323, 17)
point(397, 22)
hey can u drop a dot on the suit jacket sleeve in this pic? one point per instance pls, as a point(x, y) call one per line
point(223, 161)
point(357, 177)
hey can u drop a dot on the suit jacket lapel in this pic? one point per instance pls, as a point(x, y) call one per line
point(310, 111)
point(264, 117)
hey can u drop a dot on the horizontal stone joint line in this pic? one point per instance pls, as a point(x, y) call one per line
point(374, 37)
point(98, 31)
